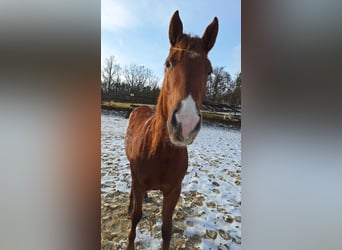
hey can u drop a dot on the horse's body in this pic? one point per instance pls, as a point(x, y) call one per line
point(156, 140)
point(162, 171)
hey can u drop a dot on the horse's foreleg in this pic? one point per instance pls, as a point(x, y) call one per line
point(137, 197)
point(130, 204)
point(170, 201)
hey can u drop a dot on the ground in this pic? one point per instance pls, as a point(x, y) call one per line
point(207, 215)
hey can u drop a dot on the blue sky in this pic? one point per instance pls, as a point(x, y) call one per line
point(137, 31)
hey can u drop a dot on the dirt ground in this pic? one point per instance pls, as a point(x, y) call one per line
point(207, 215)
point(116, 223)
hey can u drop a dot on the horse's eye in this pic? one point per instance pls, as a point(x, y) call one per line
point(168, 64)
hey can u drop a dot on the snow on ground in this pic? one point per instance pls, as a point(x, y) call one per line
point(207, 215)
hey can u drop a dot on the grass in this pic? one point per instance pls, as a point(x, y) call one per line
point(121, 105)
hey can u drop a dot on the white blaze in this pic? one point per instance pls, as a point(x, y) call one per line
point(194, 54)
point(187, 116)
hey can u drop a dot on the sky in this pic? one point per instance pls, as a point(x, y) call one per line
point(137, 31)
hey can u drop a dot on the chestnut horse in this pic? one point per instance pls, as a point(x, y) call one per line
point(156, 140)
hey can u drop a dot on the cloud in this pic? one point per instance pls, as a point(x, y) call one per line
point(115, 16)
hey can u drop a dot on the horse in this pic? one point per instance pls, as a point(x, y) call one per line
point(156, 139)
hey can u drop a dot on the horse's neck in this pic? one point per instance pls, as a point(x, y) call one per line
point(161, 112)
point(159, 127)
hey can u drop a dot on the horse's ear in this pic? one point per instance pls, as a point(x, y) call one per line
point(210, 34)
point(175, 29)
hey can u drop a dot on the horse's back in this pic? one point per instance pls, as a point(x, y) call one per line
point(139, 120)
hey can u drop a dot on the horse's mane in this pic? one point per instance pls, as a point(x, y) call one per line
point(158, 126)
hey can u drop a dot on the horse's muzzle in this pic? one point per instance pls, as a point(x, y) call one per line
point(183, 129)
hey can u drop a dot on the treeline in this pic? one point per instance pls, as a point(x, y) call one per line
point(136, 83)
point(221, 88)
point(132, 83)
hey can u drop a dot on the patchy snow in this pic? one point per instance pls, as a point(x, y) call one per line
point(207, 215)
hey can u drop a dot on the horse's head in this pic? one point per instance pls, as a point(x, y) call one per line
point(186, 73)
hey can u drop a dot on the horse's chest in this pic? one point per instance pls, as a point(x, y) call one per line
point(159, 172)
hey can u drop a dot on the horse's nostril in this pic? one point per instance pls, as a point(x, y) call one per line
point(174, 122)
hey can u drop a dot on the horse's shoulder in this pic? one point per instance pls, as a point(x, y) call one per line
point(144, 108)
point(141, 112)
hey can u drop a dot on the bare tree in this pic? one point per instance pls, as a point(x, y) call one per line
point(219, 82)
point(152, 81)
point(236, 95)
point(238, 80)
point(110, 74)
point(138, 77)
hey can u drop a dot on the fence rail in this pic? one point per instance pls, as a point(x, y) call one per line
point(224, 114)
